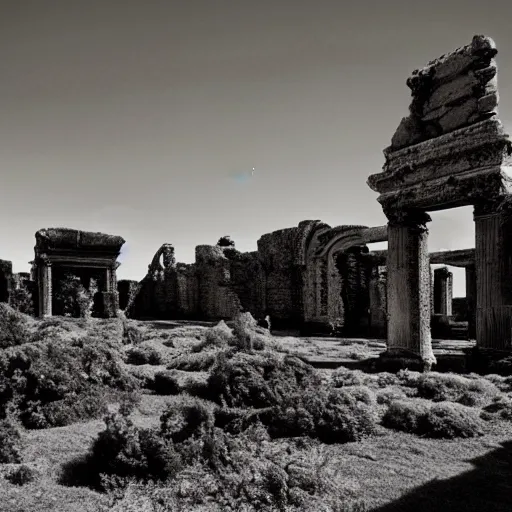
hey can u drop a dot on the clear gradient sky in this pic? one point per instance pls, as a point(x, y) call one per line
point(140, 118)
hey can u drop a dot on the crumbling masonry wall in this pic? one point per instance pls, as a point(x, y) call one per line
point(5, 280)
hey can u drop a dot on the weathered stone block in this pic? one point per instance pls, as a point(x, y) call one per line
point(454, 91)
point(457, 117)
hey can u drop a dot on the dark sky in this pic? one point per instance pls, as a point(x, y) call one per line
point(145, 118)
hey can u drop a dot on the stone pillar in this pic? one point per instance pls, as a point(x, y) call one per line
point(408, 294)
point(108, 280)
point(493, 264)
point(378, 309)
point(471, 300)
point(443, 291)
point(432, 308)
point(45, 289)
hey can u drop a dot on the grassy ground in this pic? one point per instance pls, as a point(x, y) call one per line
point(391, 471)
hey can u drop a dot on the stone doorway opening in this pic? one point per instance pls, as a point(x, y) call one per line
point(451, 242)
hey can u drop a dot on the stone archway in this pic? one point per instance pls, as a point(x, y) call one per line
point(338, 278)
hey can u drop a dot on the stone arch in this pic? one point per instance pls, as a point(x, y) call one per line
point(169, 261)
point(324, 249)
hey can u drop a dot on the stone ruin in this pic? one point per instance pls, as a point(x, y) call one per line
point(311, 277)
point(86, 257)
point(451, 151)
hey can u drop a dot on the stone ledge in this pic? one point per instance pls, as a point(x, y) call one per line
point(450, 191)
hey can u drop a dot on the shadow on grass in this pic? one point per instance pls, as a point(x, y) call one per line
point(486, 488)
point(80, 472)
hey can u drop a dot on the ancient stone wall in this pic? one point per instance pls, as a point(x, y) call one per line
point(5, 280)
point(126, 289)
point(247, 280)
point(216, 297)
point(277, 252)
point(187, 291)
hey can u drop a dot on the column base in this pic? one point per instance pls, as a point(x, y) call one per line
point(396, 359)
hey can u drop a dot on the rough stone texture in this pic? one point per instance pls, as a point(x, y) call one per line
point(452, 152)
point(126, 289)
point(168, 291)
point(471, 294)
point(83, 253)
point(248, 280)
point(450, 92)
point(493, 251)
point(409, 288)
point(277, 252)
point(216, 298)
point(5, 280)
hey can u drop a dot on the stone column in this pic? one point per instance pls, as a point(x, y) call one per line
point(471, 300)
point(432, 308)
point(378, 309)
point(113, 285)
point(443, 291)
point(45, 288)
point(108, 280)
point(408, 294)
point(493, 264)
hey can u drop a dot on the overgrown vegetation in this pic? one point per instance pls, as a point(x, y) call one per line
point(247, 426)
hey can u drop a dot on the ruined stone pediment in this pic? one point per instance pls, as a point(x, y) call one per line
point(452, 150)
point(72, 239)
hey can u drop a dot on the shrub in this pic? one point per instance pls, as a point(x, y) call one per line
point(391, 394)
point(72, 299)
point(442, 420)
point(467, 391)
point(21, 300)
point(450, 420)
point(248, 336)
point(202, 361)
point(408, 378)
point(344, 377)
point(13, 327)
point(90, 404)
point(500, 407)
point(405, 415)
point(385, 379)
point(56, 382)
point(218, 336)
point(126, 451)
point(166, 383)
point(22, 475)
point(345, 419)
point(262, 380)
point(144, 354)
point(10, 443)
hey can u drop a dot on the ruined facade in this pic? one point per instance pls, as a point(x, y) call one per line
point(451, 151)
point(90, 258)
point(313, 277)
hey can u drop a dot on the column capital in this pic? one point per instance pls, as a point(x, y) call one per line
point(496, 206)
point(442, 272)
point(408, 218)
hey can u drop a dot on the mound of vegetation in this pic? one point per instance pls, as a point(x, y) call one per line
point(64, 374)
point(441, 387)
point(14, 327)
point(243, 471)
point(442, 420)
